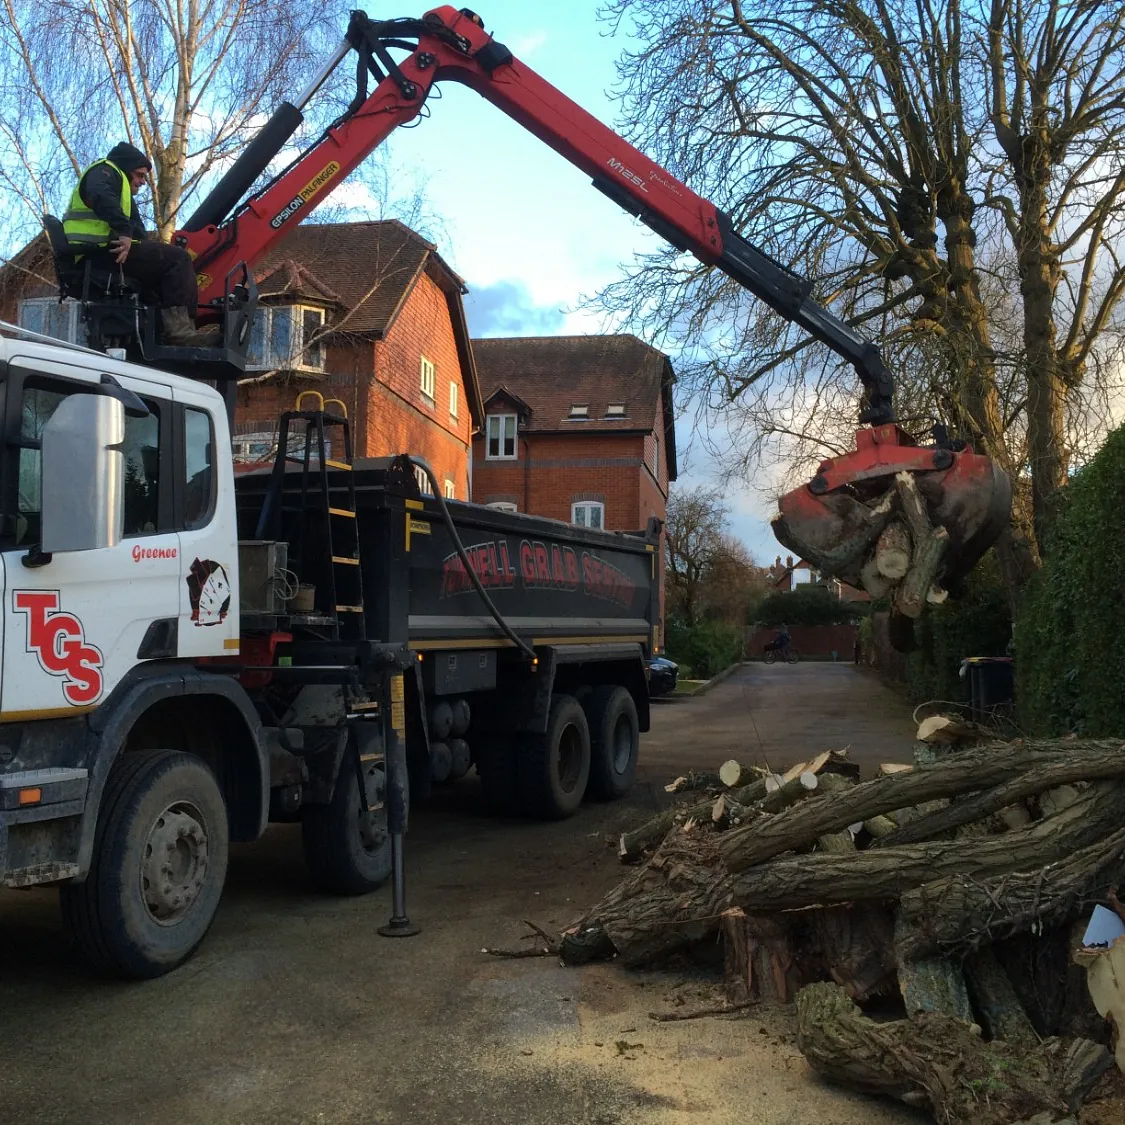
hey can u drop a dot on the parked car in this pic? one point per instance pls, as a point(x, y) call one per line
point(662, 675)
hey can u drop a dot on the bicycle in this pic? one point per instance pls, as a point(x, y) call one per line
point(789, 654)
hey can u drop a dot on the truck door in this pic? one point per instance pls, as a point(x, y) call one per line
point(208, 528)
point(75, 626)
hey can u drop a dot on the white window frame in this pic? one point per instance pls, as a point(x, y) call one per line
point(295, 357)
point(499, 427)
point(427, 379)
point(423, 481)
point(588, 506)
point(454, 399)
point(616, 410)
point(450, 489)
point(579, 412)
point(68, 310)
point(502, 506)
point(656, 456)
point(241, 454)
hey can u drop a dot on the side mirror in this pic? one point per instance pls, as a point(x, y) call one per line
point(83, 474)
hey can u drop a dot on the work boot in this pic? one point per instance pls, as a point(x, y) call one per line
point(180, 332)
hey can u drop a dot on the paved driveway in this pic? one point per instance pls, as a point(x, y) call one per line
point(295, 1011)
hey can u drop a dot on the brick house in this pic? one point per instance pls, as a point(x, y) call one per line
point(576, 428)
point(368, 313)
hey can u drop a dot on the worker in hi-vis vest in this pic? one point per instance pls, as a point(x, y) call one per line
point(102, 220)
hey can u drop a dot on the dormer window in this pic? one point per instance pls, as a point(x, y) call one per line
point(579, 411)
point(615, 410)
point(287, 338)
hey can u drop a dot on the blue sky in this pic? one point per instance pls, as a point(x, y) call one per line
point(525, 229)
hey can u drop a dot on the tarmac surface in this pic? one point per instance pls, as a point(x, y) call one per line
point(295, 1011)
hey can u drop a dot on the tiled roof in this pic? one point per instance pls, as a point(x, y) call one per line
point(554, 373)
point(368, 267)
point(290, 279)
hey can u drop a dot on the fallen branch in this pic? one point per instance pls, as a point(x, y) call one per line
point(978, 768)
point(959, 912)
point(700, 1013)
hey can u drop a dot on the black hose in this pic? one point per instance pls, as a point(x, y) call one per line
point(509, 632)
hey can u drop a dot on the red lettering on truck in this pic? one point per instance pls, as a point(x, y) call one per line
point(59, 642)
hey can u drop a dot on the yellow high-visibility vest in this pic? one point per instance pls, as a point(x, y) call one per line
point(82, 226)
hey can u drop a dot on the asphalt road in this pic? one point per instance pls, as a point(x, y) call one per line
point(295, 1011)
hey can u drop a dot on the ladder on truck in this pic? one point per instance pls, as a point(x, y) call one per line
point(324, 524)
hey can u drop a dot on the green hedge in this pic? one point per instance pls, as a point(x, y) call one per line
point(1070, 655)
point(808, 605)
point(702, 650)
point(978, 623)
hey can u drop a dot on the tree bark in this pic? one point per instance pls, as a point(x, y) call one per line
point(995, 1001)
point(1001, 797)
point(886, 873)
point(958, 913)
point(937, 1061)
point(978, 768)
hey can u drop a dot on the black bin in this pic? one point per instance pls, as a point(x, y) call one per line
point(991, 685)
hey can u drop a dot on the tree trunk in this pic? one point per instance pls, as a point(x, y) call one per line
point(886, 873)
point(856, 946)
point(929, 547)
point(959, 913)
point(937, 1061)
point(995, 1001)
point(978, 768)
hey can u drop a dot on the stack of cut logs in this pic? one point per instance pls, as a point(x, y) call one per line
point(953, 883)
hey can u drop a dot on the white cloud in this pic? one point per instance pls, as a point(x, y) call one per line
point(526, 44)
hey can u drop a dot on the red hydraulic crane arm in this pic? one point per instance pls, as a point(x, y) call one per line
point(452, 45)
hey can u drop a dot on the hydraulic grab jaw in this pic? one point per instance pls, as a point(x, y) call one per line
point(838, 519)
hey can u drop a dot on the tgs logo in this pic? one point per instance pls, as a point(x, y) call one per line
point(58, 640)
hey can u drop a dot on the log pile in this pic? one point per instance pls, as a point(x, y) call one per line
point(918, 885)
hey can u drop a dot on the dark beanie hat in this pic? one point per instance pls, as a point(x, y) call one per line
point(127, 157)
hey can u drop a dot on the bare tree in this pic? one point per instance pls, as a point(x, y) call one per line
point(694, 529)
point(949, 171)
point(733, 584)
point(187, 81)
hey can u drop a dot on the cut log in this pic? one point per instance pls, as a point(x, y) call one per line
point(885, 873)
point(960, 912)
point(946, 730)
point(837, 843)
point(929, 545)
point(887, 769)
point(731, 773)
point(980, 767)
point(879, 827)
point(1055, 800)
point(892, 551)
point(727, 812)
point(995, 1001)
point(736, 955)
point(872, 581)
point(633, 845)
point(937, 1061)
point(788, 793)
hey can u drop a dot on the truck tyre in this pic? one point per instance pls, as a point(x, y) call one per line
point(158, 866)
point(348, 852)
point(496, 764)
point(555, 766)
point(615, 740)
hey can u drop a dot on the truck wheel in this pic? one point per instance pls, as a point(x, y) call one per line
point(496, 764)
point(348, 851)
point(615, 740)
point(157, 872)
point(554, 767)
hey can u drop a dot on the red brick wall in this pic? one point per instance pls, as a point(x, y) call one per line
point(380, 382)
point(567, 468)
